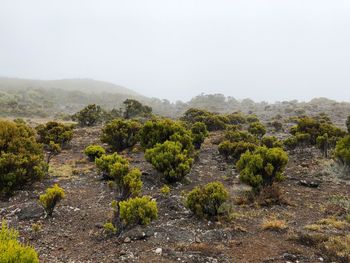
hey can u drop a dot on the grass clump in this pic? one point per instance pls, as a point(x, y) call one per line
point(274, 224)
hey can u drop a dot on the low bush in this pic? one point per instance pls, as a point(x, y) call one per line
point(270, 142)
point(120, 134)
point(94, 151)
point(21, 158)
point(262, 167)
point(234, 150)
point(11, 251)
point(257, 129)
point(50, 199)
point(206, 201)
point(55, 132)
point(89, 116)
point(134, 108)
point(170, 159)
point(115, 167)
point(138, 211)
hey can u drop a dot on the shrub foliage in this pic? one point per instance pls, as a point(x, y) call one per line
point(50, 199)
point(21, 158)
point(94, 151)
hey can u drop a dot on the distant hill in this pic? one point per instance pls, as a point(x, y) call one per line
point(83, 85)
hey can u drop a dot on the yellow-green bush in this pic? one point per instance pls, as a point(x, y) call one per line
point(206, 201)
point(270, 142)
point(262, 167)
point(51, 197)
point(115, 167)
point(234, 150)
point(120, 134)
point(138, 210)
point(94, 151)
point(55, 132)
point(342, 151)
point(257, 129)
point(170, 159)
point(11, 251)
point(21, 158)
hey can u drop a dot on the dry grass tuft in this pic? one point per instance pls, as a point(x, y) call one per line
point(274, 224)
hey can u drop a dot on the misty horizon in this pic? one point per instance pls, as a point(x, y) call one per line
point(271, 51)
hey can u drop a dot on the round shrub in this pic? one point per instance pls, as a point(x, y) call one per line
point(13, 251)
point(348, 124)
point(120, 134)
point(21, 158)
point(138, 211)
point(270, 142)
point(257, 129)
point(170, 159)
point(234, 150)
point(262, 167)
point(206, 201)
point(160, 130)
point(93, 152)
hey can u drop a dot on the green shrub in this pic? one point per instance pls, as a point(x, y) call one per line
point(89, 116)
point(11, 251)
point(252, 118)
point(234, 150)
point(165, 190)
point(290, 143)
point(199, 132)
point(21, 158)
point(134, 108)
point(50, 199)
point(206, 201)
point(270, 142)
point(120, 134)
point(262, 167)
point(55, 132)
point(170, 159)
point(212, 121)
point(348, 124)
point(109, 228)
point(161, 130)
point(342, 151)
point(115, 167)
point(257, 129)
point(237, 136)
point(138, 210)
point(94, 151)
point(277, 125)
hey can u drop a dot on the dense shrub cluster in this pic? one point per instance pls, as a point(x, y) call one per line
point(94, 151)
point(160, 130)
point(262, 167)
point(120, 134)
point(115, 167)
point(348, 124)
point(21, 159)
point(211, 120)
point(11, 251)
point(51, 197)
point(206, 200)
point(270, 142)
point(170, 159)
point(236, 143)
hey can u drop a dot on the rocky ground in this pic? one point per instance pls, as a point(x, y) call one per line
point(313, 194)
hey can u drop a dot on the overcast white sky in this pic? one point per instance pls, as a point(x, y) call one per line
point(261, 49)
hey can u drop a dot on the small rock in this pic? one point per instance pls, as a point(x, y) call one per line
point(159, 251)
point(127, 240)
point(197, 240)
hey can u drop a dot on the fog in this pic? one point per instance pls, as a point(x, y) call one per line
point(264, 50)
